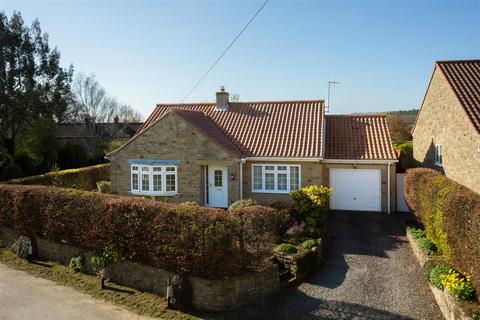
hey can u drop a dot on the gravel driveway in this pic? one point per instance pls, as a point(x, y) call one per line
point(368, 272)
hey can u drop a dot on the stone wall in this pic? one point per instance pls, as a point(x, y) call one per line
point(172, 138)
point(442, 120)
point(207, 294)
point(384, 177)
point(217, 295)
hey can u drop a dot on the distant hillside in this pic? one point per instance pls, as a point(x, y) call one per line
point(408, 115)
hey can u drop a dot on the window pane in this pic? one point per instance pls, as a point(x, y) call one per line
point(157, 182)
point(156, 169)
point(218, 177)
point(134, 181)
point(145, 182)
point(170, 169)
point(269, 167)
point(282, 168)
point(282, 181)
point(170, 182)
point(257, 177)
point(270, 181)
point(134, 168)
point(145, 168)
point(294, 178)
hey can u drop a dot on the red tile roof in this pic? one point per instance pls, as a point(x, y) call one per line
point(202, 123)
point(263, 129)
point(464, 79)
point(361, 137)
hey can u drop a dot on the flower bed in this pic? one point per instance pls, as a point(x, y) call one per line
point(453, 291)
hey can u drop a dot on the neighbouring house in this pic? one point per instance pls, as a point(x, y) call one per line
point(217, 153)
point(89, 134)
point(446, 135)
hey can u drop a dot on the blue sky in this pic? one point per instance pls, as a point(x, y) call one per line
point(147, 52)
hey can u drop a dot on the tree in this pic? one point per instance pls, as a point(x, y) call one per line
point(399, 128)
point(33, 85)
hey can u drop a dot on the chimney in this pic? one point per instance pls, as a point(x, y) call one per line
point(222, 100)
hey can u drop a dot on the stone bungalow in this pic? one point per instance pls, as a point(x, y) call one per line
point(217, 153)
point(446, 135)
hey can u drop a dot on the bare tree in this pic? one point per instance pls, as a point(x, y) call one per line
point(128, 115)
point(91, 100)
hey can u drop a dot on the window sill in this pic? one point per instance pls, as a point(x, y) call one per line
point(271, 191)
point(152, 194)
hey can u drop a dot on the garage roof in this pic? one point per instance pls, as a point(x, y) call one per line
point(360, 137)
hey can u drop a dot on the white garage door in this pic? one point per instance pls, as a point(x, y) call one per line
point(355, 189)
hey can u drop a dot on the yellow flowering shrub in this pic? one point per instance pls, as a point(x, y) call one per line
point(312, 203)
point(459, 285)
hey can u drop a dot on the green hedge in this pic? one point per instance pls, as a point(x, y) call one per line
point(451, 215)
point(83, 178)
point(184, 238)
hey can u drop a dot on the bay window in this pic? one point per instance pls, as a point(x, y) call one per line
point(154, 179)
point(271, 178)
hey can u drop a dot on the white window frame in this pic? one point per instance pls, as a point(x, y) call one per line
point(162, 173)
point(275, 171)
point(438, 155)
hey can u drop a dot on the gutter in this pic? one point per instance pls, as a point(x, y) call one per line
point(359, 161)
point(281, 159)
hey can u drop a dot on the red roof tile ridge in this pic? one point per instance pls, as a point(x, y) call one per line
point(243, 102)
point(372, 115)
point(457, 61)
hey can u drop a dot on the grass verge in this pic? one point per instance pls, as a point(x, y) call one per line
point(141, 303)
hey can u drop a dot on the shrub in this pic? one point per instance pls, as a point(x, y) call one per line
point(416, 232)
point(286, 248)
point(103, 258)
point(426, 245)
point(284, 211)
point(82, 178)
point(12, 171)
point(459, 285)
point(26, 162)
point(427, 268)
point(406, 148)
point(242, 204)
point(5, 159)
point(306, 261)
point(104, 186)
point(77, 263)
point(312, 203)
point(451, 216)
point(309, 244)
point(187, 239)
point(436, 275)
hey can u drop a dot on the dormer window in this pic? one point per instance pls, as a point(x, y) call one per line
point(438, 155)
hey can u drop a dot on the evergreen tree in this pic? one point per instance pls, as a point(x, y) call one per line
point(33, 85)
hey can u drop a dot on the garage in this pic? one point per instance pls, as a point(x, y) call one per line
point(355, 189)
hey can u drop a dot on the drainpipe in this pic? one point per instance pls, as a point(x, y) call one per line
point(241, 178)
point(388, 186)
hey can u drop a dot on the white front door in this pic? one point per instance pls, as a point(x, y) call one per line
point(217, 187)
point(355, 189)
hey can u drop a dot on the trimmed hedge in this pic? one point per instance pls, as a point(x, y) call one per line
point(83, 178)
point(183, 238)
point(451, 215)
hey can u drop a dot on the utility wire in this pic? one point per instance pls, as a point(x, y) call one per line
point(224, 52)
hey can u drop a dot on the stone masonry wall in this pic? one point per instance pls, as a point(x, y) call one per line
point(442, 120)
point(173, 139)
point(207, 294)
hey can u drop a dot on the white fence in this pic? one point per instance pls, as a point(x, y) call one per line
point(401, 204)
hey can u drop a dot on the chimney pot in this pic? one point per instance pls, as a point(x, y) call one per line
point(223, 99)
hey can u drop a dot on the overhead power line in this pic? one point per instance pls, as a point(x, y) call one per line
point(224, 52)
